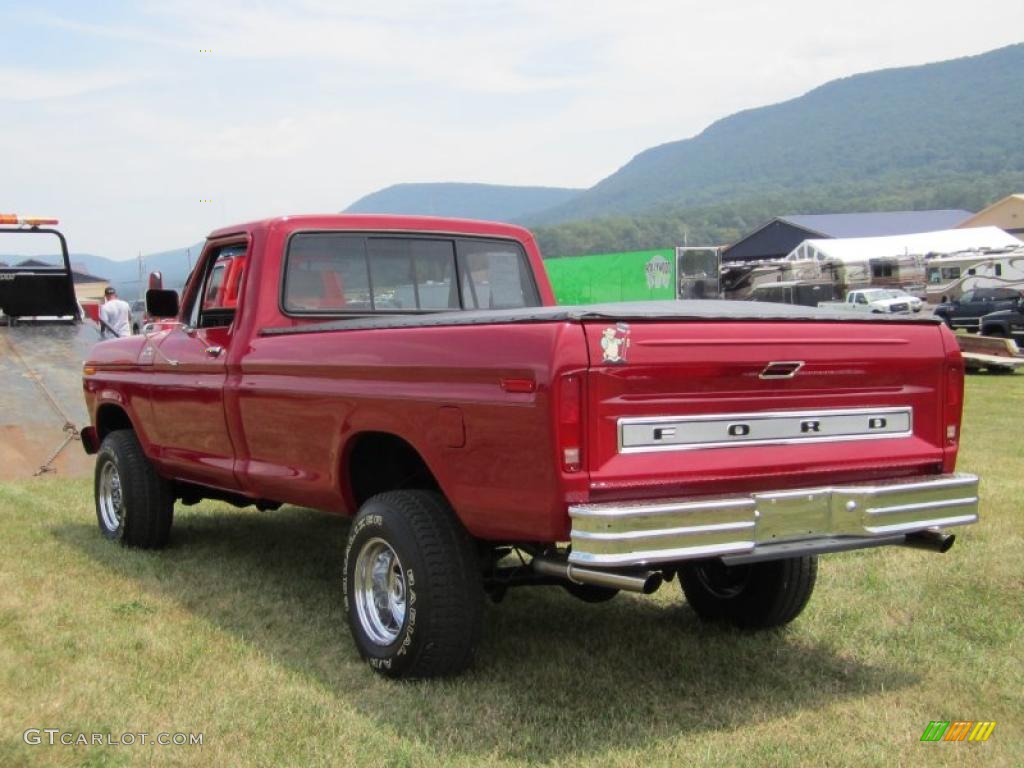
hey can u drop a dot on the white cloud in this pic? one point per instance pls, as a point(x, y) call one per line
point(29, 84)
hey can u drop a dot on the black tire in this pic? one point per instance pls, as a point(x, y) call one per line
point(755, 596)
point(134, 505)
point(995, 331)
point(429, 578)
point(590, 593)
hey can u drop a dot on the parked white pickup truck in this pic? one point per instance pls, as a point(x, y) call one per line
point(878, 301)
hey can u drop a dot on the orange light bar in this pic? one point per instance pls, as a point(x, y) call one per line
point(28, 221)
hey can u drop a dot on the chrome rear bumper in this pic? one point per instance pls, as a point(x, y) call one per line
point(837, 518)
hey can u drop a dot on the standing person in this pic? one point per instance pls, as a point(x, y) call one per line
point(115, 315)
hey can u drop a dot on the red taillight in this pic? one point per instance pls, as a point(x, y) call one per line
point(952, 378)
point(570, 422)
point(954, 401)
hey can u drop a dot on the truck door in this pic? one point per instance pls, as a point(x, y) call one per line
point(191, 369)
point(972, 305)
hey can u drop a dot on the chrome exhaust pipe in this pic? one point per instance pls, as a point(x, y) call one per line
point(931, 539)
point(645, 582)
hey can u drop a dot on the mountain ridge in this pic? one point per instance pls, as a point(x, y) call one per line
point(935, 120)
point(462, 199)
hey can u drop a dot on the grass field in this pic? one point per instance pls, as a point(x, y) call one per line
point(237, 632)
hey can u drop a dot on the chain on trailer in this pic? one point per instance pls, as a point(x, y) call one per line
point(71, 432)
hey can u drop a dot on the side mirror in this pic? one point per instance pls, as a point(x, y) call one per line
point(161, 303)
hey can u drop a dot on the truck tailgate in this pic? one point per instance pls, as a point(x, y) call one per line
point(693, 408)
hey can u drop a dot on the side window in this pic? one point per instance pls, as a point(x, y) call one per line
point(861, 298)
point(326, 272)
point(967, 297)
point(216, 309)
point(411, 273)
point(495, 275)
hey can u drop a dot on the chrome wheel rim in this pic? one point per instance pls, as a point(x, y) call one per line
point(380, 592)
point(111, 500)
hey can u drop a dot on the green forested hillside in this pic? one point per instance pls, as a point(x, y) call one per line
point(943, 126)
point(943, 135)
point(472, 201)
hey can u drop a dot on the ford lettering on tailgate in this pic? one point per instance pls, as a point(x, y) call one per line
point(677, 433)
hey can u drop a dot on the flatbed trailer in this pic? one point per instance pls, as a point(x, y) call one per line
point(998, 355)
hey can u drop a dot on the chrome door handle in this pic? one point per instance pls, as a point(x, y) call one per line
point(214, 351)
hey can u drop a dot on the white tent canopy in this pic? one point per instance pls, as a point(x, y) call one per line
point(860, 249)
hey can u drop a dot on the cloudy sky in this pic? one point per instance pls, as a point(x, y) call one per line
point(124, 119)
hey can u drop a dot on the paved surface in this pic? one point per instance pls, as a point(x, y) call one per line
point(32, 427)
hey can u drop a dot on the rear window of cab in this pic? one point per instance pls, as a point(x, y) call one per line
point(331, 273)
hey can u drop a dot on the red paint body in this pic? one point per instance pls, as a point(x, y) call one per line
point(275, 416)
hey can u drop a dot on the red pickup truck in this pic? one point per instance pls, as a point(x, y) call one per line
point(413, 372)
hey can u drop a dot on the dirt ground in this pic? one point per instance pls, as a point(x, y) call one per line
point(36, 360)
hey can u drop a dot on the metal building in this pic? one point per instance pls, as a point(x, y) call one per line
point(782, 234)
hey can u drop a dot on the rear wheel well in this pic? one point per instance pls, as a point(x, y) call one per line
point(380, 462)
point(110, 418)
